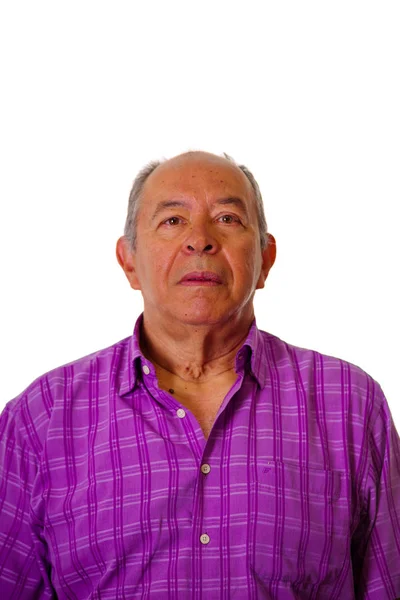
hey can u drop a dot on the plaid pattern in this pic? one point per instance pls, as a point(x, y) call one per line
point(109, 489)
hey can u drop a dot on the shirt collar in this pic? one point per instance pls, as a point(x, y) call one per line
point(135, 359)
point(252, 352)
point(250, 356)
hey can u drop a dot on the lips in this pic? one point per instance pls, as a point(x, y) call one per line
point(201, 276)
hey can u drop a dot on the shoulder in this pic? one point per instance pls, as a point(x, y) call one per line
point(29, 413)
point(284, 354)
point(317, 373)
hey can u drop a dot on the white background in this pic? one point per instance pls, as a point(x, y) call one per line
point(306, 94)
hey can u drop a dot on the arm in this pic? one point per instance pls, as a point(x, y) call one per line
point(23, 570)
point(376, 543)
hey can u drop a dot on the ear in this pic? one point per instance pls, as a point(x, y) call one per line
point(268, 259)
point(127, 260)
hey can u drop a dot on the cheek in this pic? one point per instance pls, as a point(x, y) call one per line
point(246, 267)
point(154, 266)
point(247, 260)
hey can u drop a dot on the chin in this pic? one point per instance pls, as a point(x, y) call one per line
point(197, 316)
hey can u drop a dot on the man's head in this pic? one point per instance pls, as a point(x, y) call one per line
point(196, 213)
point(130, 231)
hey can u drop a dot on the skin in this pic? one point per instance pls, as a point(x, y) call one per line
point(192, 333)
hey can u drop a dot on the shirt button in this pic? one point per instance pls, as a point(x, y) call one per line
point(181, 413)
point(205, 469)
point(146, 370)
point(204, 538)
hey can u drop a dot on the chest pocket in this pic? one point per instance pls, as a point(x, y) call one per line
point(301, 524)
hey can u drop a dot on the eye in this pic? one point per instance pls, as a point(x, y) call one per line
point(229, 219)
point(171, 221)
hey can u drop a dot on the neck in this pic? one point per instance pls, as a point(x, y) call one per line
point(193, 353)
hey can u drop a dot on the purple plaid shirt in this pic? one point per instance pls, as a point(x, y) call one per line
point(109, 489)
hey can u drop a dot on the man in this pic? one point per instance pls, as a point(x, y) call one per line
point(200, 458)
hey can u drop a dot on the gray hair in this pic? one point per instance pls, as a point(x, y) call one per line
point(130, 231)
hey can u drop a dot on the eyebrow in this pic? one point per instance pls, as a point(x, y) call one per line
point(178, 203)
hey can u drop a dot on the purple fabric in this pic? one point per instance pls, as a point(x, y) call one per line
point(104, 489)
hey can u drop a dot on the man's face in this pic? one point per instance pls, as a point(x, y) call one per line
point(197, 215)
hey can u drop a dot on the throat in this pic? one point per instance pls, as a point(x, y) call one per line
point(203, 396)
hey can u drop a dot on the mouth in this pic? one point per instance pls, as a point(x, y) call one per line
point(206, 278)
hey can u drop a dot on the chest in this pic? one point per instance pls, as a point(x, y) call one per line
point(205, 412)
point(204, 406)
point(203, 401)
point(121, 500)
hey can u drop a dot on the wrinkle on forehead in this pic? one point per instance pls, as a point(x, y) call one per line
point(199, 165)
point(198, 178)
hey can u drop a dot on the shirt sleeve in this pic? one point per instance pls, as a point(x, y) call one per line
point(23, 571)
point(376, 545)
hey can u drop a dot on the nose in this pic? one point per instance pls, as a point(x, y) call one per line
point(200, 240)
point(207, 248)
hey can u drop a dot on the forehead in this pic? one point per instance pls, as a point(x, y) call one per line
point(201, 176)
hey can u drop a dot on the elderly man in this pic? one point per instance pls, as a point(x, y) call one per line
point(201, 458)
